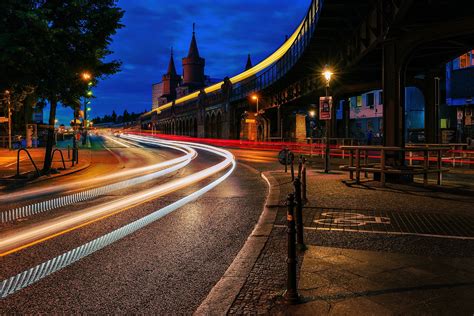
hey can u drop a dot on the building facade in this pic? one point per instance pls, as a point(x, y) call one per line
point(459, 96)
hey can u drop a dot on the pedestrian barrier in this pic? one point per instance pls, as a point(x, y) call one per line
point(291, 294)
point(362, 163)
point(299, 216)
point(62, 157)
point(18, 162)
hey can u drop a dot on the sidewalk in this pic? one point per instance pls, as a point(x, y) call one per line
point(8, 165)
point(371, 250)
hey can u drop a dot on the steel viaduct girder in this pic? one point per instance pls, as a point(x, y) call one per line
point(378, 44)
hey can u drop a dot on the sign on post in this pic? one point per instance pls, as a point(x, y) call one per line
point(325, 106)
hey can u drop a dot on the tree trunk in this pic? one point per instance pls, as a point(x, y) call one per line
point(50, 140)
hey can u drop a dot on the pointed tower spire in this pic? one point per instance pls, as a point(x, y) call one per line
point(193, 66)
point(171, 66)
point(249, 63)
point(193, 48)
point(170, 80)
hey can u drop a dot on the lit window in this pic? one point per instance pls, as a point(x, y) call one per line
point(464, 61)
point(359, 100)
point(370, 100)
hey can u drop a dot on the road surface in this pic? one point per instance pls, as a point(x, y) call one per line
point(166, 267)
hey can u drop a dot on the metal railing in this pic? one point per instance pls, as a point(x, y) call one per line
point(361, 159)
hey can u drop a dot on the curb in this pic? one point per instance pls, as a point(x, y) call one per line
point(223, 294)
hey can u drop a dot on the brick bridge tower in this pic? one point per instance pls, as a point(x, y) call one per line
point(193, 66)
point(170, 80)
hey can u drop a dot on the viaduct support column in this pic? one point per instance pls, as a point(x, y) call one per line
point(432, 100)
point(393, 84)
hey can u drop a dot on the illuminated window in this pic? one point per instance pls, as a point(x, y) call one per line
point(464, 61)
point(359, 100)
point(370, 100)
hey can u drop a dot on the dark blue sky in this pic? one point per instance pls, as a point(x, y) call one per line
point(226, 32)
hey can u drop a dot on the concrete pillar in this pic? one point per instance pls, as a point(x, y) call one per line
point(431, 93)
point(393, 83)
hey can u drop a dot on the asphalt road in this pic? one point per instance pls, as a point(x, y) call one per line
point(167, 267)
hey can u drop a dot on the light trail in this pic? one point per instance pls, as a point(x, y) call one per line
point(116, 141)
point(244, 75)
point(50, 204)
point(36, 273)
point(32, 193)
point(33, 234)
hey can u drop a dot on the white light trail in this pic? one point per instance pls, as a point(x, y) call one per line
point(164, 168)
point(29, 235)
point(33, 193)
point(36, 273)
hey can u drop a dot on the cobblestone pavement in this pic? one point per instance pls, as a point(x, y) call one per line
point(407, 219)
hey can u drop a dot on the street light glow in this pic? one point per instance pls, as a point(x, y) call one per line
point(254, 97)
point(327, 75)
point(312, 113)
point(89, 93)
point(86, 76)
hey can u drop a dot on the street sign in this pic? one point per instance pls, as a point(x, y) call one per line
point(284, 156)
point(325, 106)
point(3, 119)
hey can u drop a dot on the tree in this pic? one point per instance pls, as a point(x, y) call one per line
point(126, 116)
point(45, 45)
point(114, 116)
point(79, 33)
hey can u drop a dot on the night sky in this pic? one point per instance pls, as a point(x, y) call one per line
point(226, 32)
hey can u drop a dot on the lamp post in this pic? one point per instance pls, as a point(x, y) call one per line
point(7, 94)
point(255, 97)
point(327, 75)
point(86, 77)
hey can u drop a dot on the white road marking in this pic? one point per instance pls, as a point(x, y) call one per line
point(381, 232)
point(351, 219)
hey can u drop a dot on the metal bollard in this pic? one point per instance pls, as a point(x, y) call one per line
point(299, 216)
point(300, 165)
point(303, 180)
point(292, 168)
point(291, 294)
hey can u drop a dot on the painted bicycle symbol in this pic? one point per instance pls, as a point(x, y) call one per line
point(350, 219)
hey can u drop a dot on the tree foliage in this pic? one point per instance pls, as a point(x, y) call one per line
point(46, 45)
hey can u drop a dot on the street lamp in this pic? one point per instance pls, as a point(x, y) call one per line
point(327, 74)
point(86, 76)
point(255, 98)
point(7, 96)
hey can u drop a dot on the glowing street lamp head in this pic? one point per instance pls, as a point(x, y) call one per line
point(89, 93)
point(254, 97)
point(86, 76)
point(312, 113)
point(327, 74)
